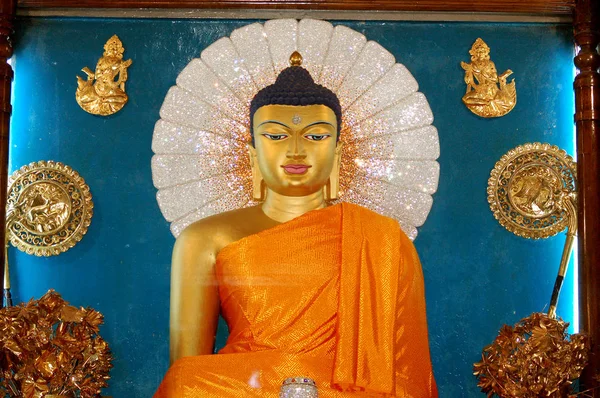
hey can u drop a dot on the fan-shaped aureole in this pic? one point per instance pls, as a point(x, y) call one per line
point(184, 109)
point(313, 41)
point(344, 48)
point(189, 168)
point(282, 35)
point(201, 165)
point(379, 96)
point(199, 80)
point(418, 175)
point(372, 63)
point(225, 62)
point(251, 44)
point(170, 138)
point(411, 112)
point(421, 143)
point(179, 200)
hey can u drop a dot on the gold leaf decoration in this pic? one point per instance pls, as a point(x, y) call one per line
point(48, 347)
point(534, 358)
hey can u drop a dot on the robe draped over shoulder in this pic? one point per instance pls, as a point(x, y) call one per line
point(335, 295)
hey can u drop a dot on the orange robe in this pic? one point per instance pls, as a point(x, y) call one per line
point(335, 295)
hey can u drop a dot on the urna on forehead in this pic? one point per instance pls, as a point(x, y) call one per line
point(295, 86)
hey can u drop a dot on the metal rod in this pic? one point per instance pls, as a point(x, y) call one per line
point(562, 271)
point(6, 295)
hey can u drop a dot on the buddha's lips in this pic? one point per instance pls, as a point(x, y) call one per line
point(296, 168)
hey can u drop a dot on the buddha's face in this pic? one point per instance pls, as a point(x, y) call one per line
point(295, 147)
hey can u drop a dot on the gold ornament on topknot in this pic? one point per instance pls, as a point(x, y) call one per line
point(488, 95)
point(101, 94)
point(534, 358)
point(49, 208)
point(532, 191)
point(295, 59)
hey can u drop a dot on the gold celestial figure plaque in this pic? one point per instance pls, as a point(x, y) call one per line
point(48, 209)
point(101, 94)
point(531, 190)
point(488, 95)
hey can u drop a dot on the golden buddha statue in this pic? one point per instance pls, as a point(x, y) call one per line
point(329, 292)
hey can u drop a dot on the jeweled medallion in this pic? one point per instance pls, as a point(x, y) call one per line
point(48, 209)
point(529, 188)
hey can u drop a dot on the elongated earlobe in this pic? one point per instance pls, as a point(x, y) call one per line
point(332, 188)
point(258, 183)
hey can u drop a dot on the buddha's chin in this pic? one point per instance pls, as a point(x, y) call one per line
point(297, 189)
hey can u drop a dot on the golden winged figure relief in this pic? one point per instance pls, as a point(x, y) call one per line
point(488, 95)
point(101, 94)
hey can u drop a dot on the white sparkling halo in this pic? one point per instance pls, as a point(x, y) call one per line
point(201, 166)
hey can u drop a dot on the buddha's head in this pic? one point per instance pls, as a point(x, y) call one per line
point(295, 149)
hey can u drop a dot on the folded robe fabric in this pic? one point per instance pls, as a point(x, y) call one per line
point(335, 295)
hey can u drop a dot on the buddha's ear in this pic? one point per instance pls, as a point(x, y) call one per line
point(251, 153)
point(332, 188)
point(258, 184)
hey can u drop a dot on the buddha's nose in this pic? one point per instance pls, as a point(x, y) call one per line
point(296, 148)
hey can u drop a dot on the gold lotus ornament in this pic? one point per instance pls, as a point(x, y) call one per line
point(52, 349)
point(101, 94)
point(49, 208)
point(534, 358)
point(488, 95)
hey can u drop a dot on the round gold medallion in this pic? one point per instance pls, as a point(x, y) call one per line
point(48, 209)
point(527, 188)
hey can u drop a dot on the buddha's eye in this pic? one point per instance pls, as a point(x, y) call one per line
point(317, 137)
point(275, 137)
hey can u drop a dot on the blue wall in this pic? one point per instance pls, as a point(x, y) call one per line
point(478, 275)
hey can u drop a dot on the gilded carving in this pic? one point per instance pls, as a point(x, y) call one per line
point(531, 190)
point(101, 94)
point(49, 208)
point(488, 95)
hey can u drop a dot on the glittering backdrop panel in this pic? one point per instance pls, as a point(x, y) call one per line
point(477, 274)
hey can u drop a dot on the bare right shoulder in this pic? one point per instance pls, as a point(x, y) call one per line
point(206, 237)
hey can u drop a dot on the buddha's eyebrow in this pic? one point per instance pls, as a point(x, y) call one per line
point(319, 122)
point(275, 122)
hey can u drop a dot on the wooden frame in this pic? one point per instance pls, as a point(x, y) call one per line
point(542, 7)
point(587, 117)
point(587, 101)
point(7, 13)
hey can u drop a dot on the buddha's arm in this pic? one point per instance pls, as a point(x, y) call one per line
point(194, 295)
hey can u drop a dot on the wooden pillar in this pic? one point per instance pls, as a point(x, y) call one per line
point(587, 119)
point(7, 13)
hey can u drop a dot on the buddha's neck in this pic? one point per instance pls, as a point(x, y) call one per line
point(284, 208)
